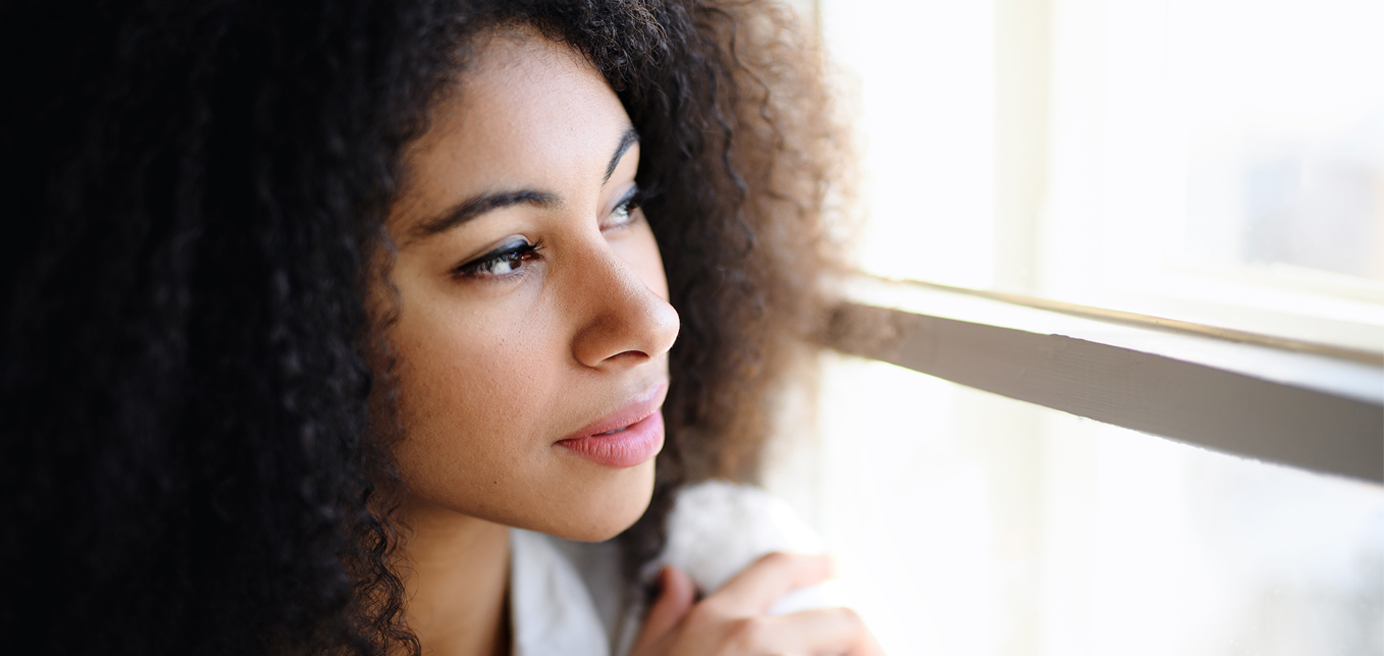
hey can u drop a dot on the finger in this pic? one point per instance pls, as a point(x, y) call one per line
point(755, 589)
point(824, 632)
point(834, 631)
point(675, 596)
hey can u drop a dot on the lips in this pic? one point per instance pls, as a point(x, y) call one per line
point(627, 437)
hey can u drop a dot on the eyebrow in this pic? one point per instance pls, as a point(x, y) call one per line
point(480, 204)
point(486, 202)
point(629, 138)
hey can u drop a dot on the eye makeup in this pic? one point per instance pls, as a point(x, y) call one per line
point(623, 214)
point(515, 254)
point(503, 261)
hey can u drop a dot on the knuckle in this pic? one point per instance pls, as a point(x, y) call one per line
point(749, 634)
point(778, 559)
point(786, 562)
point(849, 617)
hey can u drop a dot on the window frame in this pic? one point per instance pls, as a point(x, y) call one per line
point(1304, 405)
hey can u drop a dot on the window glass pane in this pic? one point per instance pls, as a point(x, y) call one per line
point(1217, 161)
point(973, 524)
point(1286, 136)
point(922, 80)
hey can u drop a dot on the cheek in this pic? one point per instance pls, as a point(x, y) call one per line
point(481, 406)
point(470, 385)
point(489, 382)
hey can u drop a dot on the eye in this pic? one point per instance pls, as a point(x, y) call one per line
point(623, 214)
point(503, 261)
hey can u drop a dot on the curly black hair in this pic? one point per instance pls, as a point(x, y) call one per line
point(194, 192)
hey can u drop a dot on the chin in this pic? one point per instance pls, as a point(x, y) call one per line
point(604, 510)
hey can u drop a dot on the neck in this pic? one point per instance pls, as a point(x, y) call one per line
point(456, 578)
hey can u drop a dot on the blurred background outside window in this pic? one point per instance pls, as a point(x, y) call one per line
point(1213, 161)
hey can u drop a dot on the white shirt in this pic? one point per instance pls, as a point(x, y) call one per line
point(569, 597)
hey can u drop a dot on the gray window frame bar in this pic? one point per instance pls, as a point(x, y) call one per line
point(1244, 412)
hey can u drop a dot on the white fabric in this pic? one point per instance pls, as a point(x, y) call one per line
point(552, 611)
point(568, 597)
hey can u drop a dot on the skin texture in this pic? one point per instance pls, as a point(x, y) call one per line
point(499, 364)
point(501, 358)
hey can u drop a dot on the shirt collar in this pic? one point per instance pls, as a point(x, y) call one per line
point(551, 610)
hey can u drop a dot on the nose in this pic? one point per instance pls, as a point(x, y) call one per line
point(626, 320)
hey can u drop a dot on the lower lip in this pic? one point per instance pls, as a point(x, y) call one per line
point(627, 448)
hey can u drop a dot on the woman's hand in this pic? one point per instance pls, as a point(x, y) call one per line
point(731, 622)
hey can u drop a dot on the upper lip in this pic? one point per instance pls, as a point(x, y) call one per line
point(637, 409)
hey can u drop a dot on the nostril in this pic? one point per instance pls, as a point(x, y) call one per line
point(624, 335)
point(631, 355)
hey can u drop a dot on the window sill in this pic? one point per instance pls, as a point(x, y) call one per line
point(1317, 408)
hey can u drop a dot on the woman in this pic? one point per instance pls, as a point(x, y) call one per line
point(307, 304)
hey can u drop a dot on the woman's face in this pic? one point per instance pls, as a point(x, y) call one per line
point(532, 305)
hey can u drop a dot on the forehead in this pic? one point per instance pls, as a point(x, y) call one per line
point(528, 111)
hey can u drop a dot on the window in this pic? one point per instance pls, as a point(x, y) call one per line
point(1220, 161)
point(1164, 215)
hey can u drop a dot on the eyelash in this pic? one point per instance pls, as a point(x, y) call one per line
point(627, 208)
point(513, 253)
point(517, 252)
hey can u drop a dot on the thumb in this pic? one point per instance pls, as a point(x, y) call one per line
point(675, 596)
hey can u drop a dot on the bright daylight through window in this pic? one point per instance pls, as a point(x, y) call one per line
point(1218, 163)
